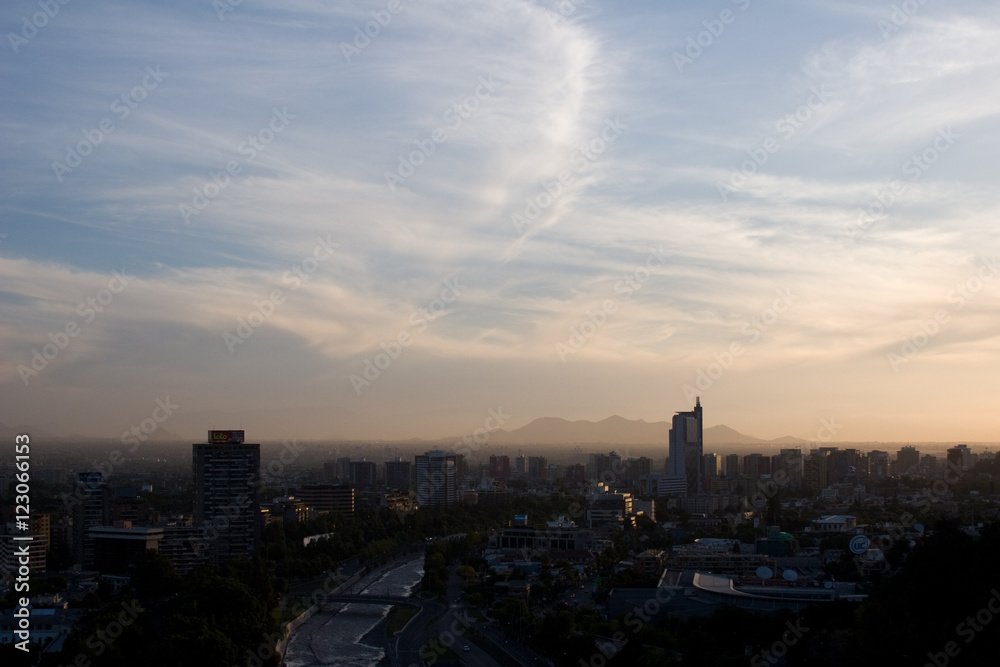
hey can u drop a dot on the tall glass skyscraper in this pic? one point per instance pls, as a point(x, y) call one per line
point(686, 448)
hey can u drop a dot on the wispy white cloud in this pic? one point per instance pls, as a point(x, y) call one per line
point(553, 86)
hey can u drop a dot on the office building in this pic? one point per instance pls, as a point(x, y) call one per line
point(754, 466)
point(284, 509)
point(559, 535)
point(907, 461)
point(660, 484)
point(790, 462)
point(732, 466)
point(10, 546)
point(117, 548)
point(711, 465)
point(607, 506)
point(538, 467)
point(180, 544)
point(362, 474)
point(399, 475)
point(226, 481)
point(878, 464)
point(323, 498)
point(817, 470)
point(635, 468)
point(716, 555)
point(686, 447)
point(576, 472)
point(91, 507)
point(604, 467)
point(436, 478)
point(960, 458)
point(499, 467)
point(343, 467)
point(520, 465)
point(126, 505)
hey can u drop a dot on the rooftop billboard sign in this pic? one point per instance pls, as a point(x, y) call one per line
point(225, 437)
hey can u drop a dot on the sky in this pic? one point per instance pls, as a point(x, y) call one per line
point(421, 218)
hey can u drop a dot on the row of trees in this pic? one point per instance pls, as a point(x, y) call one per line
point(216, 615)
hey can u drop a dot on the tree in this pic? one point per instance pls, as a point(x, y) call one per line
point(154, 577)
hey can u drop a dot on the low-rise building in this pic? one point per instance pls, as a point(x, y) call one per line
point(651, 562)
point(322, 498)
point(118, 547)
point(49, 627)
point(835, 523)
point(559, 535)
point(12, 546)
point(607, 506)
point(718, 556)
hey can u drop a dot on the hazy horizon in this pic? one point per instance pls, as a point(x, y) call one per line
point(340, 219)
point(478, 444)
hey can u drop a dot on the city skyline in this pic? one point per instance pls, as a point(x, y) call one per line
point(613, 431)
point(349, 221)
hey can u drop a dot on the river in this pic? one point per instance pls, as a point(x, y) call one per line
point(338, 638)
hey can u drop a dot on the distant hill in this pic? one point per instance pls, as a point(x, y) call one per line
point(614, 429)
point(723, 435)
point(617, 430)
point(8, 433)
point(788, 440)
point(272, 423)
